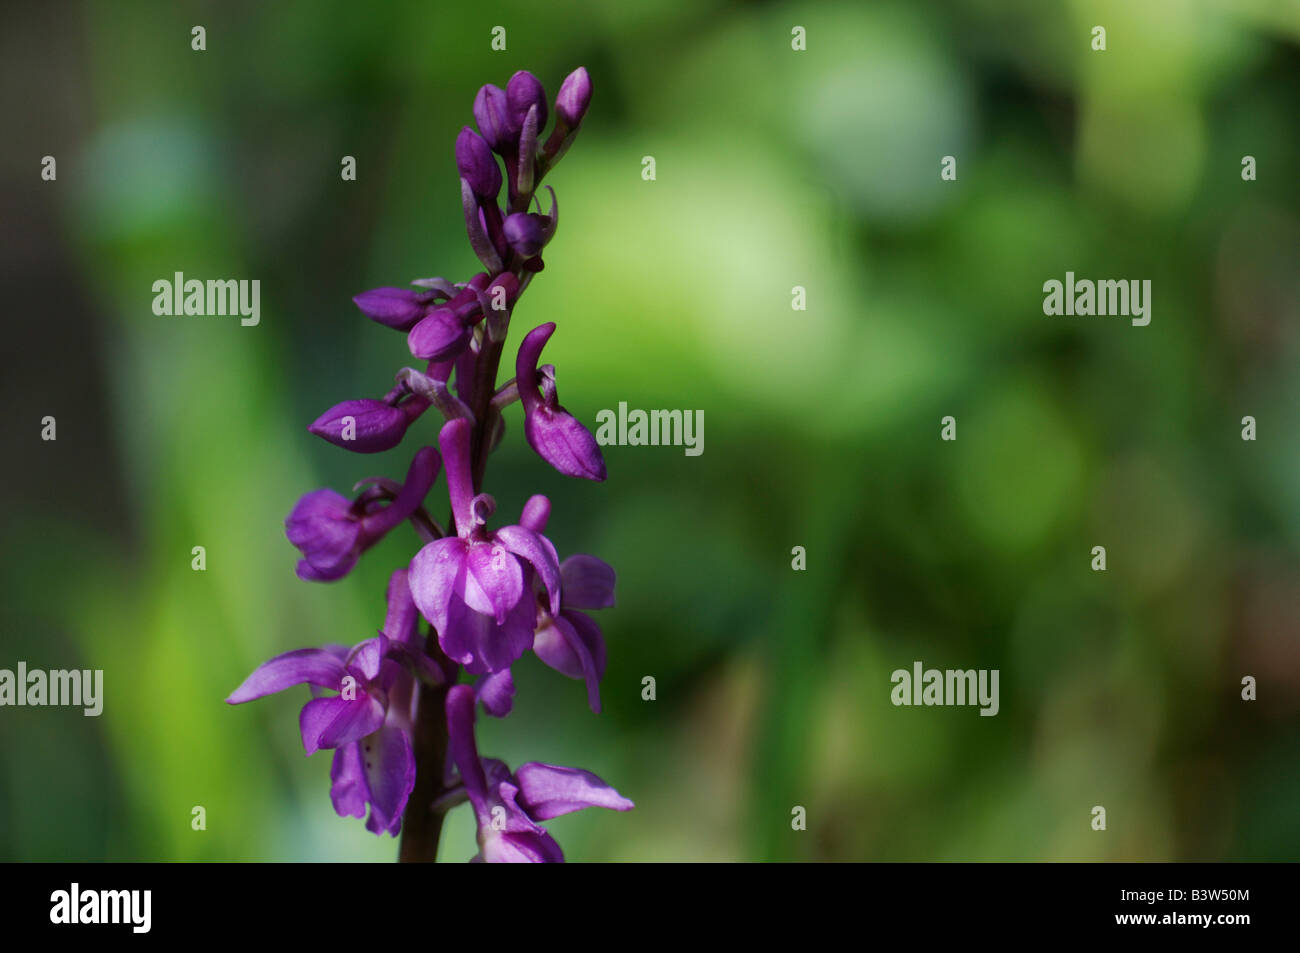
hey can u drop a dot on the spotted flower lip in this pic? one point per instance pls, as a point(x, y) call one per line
point(557, 436)
point(472, 586)
point(507, 807)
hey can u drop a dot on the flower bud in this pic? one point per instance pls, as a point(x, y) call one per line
point(563, 442)
point(440, 336)
point(523, 92)
point(557, 436)
point(492, 114)
point(574, 97)
point(364, 426)
point(323, 527)
point(477, 165)
point(397, 308)
point(526, 233)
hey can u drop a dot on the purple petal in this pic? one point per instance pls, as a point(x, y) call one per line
point(589, 632)
point(402, 621)
point(477, 642)
point(309, 573)
point(537, 549)
point(546, 791)
point(496, 693)
point(535, 513)
point(348, 782)
point(433, 575)
point(476, 229)
point(365, 657)
point(454, 439)
point(522, 848)
point(332, 722)
point(322, 526)
point(464, 752)
point(311, 666)
point(521, 839)
point(494, 582)
point(562, 646)
point(388, 763)
point(530, 352)
point(586, 583)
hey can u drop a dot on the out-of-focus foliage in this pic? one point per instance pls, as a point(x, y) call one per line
point(775, 168)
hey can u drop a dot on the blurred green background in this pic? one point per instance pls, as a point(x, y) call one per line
point(775, 168)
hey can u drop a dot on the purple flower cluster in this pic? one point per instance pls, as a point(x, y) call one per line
point(486, 595)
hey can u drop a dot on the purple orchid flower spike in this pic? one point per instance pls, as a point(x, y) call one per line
point(475, 587)
point(508, 807)
point(332, 532)
point(552, 431)
point(368, 723)
point(472, 601)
